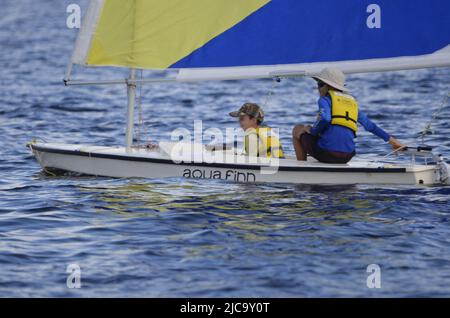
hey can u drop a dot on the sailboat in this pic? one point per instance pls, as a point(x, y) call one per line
point(204, 40)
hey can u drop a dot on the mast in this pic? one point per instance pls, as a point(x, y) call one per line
point(131, 92)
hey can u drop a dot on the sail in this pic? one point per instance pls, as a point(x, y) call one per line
point(154, 34)
point(231, 39)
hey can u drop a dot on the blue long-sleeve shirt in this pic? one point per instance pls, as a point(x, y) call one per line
point(339, 138)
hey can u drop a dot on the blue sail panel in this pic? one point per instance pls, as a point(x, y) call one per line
point(317, 31)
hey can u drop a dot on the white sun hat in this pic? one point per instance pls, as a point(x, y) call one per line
point(333, 77)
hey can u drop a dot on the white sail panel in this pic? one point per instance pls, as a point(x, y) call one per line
point(86, 33)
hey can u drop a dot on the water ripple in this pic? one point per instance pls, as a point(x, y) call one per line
point(191, 238)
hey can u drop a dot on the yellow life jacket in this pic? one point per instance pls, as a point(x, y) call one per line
point(270, 141)
point(344, 110)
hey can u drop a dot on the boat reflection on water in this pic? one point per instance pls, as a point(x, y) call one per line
point(253, 211)
point(211, 238)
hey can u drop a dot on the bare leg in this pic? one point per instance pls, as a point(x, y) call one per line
point(296, 134)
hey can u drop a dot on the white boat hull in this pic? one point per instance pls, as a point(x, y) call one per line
point(142, 163)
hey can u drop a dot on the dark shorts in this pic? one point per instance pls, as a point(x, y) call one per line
point(309, 144)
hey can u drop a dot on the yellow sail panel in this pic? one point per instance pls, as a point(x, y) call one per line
point(157, 33)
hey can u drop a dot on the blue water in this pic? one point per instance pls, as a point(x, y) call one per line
point(181, 237)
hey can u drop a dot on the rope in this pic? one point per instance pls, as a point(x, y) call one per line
point(275, 80)
point(139, 106)
point(140, 129)
point(393, 152)
point(427, 130)
point(49, 172)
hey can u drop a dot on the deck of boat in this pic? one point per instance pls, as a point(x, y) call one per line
point(165, 153)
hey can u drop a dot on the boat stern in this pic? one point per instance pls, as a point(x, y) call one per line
point(444, 171)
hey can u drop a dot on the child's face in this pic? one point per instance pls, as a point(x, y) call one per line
point(246, 122)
